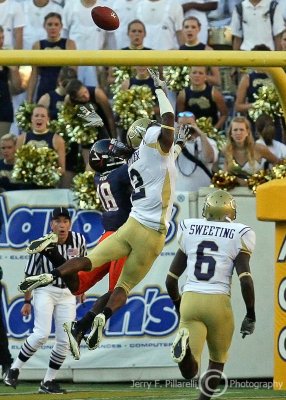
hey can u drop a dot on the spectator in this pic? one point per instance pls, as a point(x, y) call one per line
point(53, 101)
point(265, 129)
point(35, 12)
point(8, 150)
point(248, 87)
point(199, 9)
point(79, 26)
point(78, 93)
point(141, 78)
point(194, 164)
point(126, 11)
point(221, 16)
point(191, 29)
point(243, 156)
point(9, 77)
point(40, 136)
point(55, 98)
point(136, 33)
point(13, 21)
point(203, 100)
point(254, 26)
point(54, 300)
point(44, 79)
point(163, 20)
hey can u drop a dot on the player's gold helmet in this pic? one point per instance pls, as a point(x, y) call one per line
point(219, 206)
point(137, 131)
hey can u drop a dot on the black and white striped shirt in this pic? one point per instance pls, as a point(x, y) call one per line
point(75, 246)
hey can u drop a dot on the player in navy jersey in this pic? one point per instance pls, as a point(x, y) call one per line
point(114, 189)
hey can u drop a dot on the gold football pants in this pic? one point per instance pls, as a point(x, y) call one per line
point(208, 317)
point(141, 245)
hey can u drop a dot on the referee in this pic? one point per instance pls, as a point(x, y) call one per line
point(54, 300)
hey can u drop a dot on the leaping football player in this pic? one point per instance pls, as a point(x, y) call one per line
point(151, 170)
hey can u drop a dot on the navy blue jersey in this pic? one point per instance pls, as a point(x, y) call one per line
point(48, 76)
point(114, 190)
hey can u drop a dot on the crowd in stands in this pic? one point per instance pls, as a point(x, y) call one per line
point(222, 94)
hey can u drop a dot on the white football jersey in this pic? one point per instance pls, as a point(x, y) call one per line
point(152, 174)
point(211, 248)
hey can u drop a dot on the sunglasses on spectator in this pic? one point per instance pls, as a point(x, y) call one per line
point(187, 114)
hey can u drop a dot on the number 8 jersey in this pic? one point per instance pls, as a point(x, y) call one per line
point(152, 174)
point(211, 248)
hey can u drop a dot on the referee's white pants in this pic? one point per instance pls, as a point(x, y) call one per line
point(52, 301)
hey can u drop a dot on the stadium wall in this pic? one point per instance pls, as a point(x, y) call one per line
point(137, 342)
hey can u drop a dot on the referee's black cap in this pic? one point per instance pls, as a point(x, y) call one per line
point(60, 212)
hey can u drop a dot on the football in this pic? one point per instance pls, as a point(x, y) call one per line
point(105, 18)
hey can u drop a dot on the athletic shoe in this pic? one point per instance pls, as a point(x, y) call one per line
point(75, 336)
point(5, 369)
point(11, 377)
point(32, 282)
point(51, 387)
point(95, 336)
point(38, 245)
point(180, 345)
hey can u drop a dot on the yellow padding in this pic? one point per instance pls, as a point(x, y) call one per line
point(271, 201)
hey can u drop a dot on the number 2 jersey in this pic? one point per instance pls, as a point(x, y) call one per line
point(211, 248)
point(152, 174)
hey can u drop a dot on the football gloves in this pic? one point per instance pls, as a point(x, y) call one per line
point(159, 84)
point(247, 326)
point(89, 115)
point(185, 133)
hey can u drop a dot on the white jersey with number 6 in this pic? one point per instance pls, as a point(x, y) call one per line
point(211, 248)
point(152, 174)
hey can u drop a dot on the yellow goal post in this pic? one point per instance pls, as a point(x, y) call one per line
point(270, 62)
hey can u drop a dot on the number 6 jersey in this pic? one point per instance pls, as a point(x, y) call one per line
point(211, 248)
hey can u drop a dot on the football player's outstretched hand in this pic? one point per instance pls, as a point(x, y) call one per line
point(247, 326)
point(89, 115)
point(157, 81)
point(185, 133)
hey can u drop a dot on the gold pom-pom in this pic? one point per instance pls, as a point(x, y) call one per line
point(205, 124)
point(267, 102)
point(85, 193)
point(223, 180)
point(71, 127)
point(120, 74)
point(38, 165)
point(258, 178)
point(23, 116)
point(279, 171)
point(177, 78)
point(132, 104)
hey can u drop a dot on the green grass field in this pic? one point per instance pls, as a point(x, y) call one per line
point(96, 391)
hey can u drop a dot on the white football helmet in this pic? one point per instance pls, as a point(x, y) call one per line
point(219, 206)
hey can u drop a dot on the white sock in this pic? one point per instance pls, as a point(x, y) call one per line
point(50, 374)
